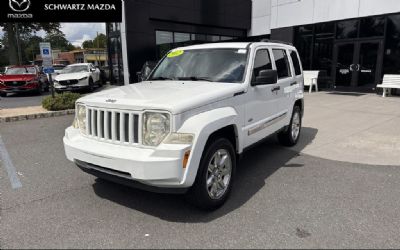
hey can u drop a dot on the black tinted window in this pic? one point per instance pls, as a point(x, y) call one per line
point(282, 63)
point(347, 29)
point(261, 62)
point(372, 26)
point(296, 63)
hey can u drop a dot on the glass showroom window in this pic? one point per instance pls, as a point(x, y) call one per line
point(164, 42)
point(347, 29)
point(392, 47)
point(372, 27)
point(167, 40)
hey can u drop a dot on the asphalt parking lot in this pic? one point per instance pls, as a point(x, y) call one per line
point(29, 99)
point(21, 100)
point(283, 198)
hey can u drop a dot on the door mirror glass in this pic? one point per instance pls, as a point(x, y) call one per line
point(265, 77)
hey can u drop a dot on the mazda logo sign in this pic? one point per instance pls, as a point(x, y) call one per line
point(19, 5)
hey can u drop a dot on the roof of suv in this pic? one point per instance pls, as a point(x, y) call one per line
point(234, 45)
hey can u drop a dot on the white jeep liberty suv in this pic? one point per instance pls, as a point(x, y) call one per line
point(183, 129)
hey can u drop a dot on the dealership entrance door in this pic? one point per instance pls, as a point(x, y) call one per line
point(357, 64)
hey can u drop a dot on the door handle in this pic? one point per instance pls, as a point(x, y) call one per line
point(293, 83)
point(275, 89)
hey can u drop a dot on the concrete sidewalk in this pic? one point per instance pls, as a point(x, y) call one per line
point(359, 128)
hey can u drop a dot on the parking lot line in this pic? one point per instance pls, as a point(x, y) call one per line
point(9, 166)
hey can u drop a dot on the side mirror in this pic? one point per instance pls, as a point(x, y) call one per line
point(265, 77)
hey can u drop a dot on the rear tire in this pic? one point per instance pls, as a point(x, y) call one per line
point(40, 90)
point(291, 135)
point(215, 176)
point(3, 94)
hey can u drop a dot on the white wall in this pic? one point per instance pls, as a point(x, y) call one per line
point(286, 13)
point(261, 17)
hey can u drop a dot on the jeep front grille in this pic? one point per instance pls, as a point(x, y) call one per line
point(113, 125)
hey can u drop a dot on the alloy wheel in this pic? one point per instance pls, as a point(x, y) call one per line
point(219, 174)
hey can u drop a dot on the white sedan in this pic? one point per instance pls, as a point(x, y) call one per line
point(77, 76)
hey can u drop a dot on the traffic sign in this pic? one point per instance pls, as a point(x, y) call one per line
point(48, 70)
point(45, 52)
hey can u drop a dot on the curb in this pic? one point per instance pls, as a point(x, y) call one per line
point(37, 116)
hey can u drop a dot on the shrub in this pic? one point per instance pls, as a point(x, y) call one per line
point(60, 101)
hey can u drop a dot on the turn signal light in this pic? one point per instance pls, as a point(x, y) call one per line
point(185, 159)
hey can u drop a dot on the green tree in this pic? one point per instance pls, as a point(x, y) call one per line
point(22, 29)
point(3, 54)
point(100, 41)
point(87, 44)
point(58, 41)
point(32, 47)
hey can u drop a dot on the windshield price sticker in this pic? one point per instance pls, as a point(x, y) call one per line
point(175, 53)
point(242, 51)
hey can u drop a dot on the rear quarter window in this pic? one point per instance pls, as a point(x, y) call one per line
point(296, 62)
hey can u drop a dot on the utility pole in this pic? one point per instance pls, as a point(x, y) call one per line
point(98, 46)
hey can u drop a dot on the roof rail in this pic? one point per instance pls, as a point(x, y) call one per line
point(275, 41)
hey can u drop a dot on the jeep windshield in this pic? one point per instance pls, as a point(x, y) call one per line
point(214, 65)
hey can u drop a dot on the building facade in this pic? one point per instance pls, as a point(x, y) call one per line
point(152, 27)
point(352, 42)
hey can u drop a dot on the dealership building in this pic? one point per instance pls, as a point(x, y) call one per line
point(352, 42)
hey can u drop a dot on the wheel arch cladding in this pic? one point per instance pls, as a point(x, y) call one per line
point(205, 125)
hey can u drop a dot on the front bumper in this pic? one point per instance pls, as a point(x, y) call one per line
point(17, 89)
point(83, 84)
point(159, 167)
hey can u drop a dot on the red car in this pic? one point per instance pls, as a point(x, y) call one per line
point(18, 79)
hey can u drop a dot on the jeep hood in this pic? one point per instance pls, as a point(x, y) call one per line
point(173, 96)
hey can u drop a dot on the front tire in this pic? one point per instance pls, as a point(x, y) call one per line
point(40, 89)
point(91, 85)
point(3, 94)
point(215, 175)
point(291, 135)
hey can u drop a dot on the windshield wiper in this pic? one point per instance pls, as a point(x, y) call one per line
point(160, 78)
point(195, 78)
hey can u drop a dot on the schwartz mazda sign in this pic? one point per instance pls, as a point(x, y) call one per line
point(60, 11)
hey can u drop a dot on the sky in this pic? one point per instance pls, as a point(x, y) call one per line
point(76, 33)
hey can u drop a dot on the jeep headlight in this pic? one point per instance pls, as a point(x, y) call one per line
point(80, 118)
point(156, 126)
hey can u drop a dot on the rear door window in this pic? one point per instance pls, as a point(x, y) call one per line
point(282, 63)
